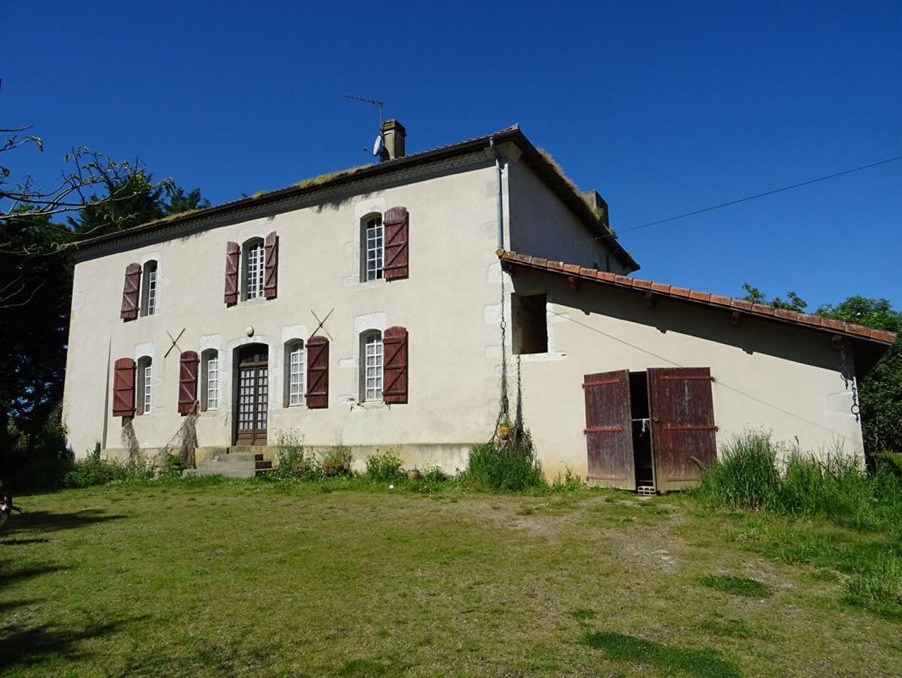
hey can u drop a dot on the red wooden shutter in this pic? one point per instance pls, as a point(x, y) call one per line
point(124, 388)
point(396, 222)
point(682, 425)
point(317, 373)
point(130, 291)
point(394, 371)
point(187, 382)
point(609, 430)
point(233, 254)
point(271, 270)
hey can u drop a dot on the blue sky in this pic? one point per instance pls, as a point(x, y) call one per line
point(664, 108)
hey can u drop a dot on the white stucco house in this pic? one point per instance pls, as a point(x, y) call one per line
point(375, 308)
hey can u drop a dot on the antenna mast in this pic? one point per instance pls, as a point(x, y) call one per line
point(375, 102)
point(379, 149)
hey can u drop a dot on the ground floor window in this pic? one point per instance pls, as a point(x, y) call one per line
point(295, 368)
point(145, 385)
point(371, 375)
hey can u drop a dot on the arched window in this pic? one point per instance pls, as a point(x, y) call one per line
point(253, 268)
point(210, 380)
point(144, 389)
point(149, 288)
point(371, 248)
point(371, 366)
point(295, 368)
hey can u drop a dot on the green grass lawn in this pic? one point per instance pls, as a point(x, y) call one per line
point(248, 578)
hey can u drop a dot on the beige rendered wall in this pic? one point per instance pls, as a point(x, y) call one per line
point(449, 304)
point(541, 225)
point(767, 376)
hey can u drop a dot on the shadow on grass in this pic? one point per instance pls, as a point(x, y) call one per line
point(9, 576)
point(669, 660)
point(29, 645)
point(44, 521)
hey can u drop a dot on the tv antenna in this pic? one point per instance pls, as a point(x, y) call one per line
point(379, 149)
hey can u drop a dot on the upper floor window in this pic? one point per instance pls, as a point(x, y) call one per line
point(140, 286)
point(149, 289)
point(255, 265)
point(372, 248)
point(253, 269)
point(295, 367)
point(384, 245)
point(144, 385)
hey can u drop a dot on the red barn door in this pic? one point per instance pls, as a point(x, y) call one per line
point(609, 436)
point(682, 425)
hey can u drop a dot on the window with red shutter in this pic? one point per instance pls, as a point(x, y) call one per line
point(317, 372)
point(396, 224)
point(124, 388)
point(271, 279)
point(395, 370)
point(188, 363)
point(130, 290)
point(233, 254)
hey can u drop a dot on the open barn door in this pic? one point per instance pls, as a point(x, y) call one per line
point(609, 430)
point(682, 425)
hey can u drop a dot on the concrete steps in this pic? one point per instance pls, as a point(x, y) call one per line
point(234, 462)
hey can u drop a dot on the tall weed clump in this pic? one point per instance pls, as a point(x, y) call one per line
point(833, 486)
point(746, 475)
point(294, 463)
point(94, 470)
point(836, 487)
point(384, 467)
point(505, 465)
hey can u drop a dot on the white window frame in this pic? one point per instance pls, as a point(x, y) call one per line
point(144, 400)
point(210, 368)
point(372, 357)
point(149, 288)
point(295, 371)
point(253, 268)
point(372, 248)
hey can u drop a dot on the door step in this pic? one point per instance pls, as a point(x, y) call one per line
point(234, 463)
point(646, 490)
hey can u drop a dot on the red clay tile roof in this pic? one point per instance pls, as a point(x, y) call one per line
point(697, 297)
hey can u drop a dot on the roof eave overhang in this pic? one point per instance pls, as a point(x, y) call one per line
point(869, 344)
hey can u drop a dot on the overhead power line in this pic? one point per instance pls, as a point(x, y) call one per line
point(760, 195)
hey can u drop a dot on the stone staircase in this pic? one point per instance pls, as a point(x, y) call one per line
point(233, 462)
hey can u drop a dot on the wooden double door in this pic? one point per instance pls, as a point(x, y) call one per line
point(649, 429)
point(252, 395)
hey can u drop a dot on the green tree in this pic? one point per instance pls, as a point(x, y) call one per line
point(36, 285)
point(793, 302)
point(880, 391)
point(35, 289)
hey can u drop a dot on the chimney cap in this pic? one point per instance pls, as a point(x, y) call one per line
point(393, 125)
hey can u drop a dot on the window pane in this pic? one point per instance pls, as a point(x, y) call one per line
point(296, 375)
point(373, 241)
point(254, 271)
point(373, 367)
point(151, 292)
point(213, 382)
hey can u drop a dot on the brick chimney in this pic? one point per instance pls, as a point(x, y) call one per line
point(393, 133)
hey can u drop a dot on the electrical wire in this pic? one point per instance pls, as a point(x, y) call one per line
point(761, 195)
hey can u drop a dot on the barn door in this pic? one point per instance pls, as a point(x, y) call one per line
point(682, 425)
point(253, 395)
point(609, 436)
